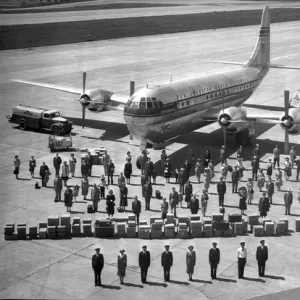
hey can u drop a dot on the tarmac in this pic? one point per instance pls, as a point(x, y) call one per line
point(62, 268)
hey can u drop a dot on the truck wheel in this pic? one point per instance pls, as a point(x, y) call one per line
point(22, 125)
point(56, 130)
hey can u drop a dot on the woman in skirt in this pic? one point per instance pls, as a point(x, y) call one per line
point(261, 179)
point(65, 171)
point(68, 198)
point(243, 197)
point(122, 264)
point(110, 204)
point(190, 262)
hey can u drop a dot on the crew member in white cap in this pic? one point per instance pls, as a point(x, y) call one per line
point(261, 257)
point(241, 256)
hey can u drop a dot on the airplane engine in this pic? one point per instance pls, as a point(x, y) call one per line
point(95, 100)
point(287, 122)
point(234, 119)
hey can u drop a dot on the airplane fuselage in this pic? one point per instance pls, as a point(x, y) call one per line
point(159, 113)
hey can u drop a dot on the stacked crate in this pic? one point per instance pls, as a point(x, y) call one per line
point(183, 230)
point(286, 222)
point(61, 231)
point(253, 220)
point(52, 232)
point(105, 228)
point(153, 219)
point(238, 228)
point(144, 231)
point(170, 230)
point(65, 220)
point(297, 224)
point(156, 229)
point(76, 227)
point(207, 226)
point(21, 231)
point(9, 231)
point(33, 232)
point(53, 222)
point(170, 220)
point(121, 229)
point(131, 228)
point(87, 226)
point(183, 220)
point(43, 230)
point(269, 228)
point(131, 217)
point(196, 228)
point(258, 230)
point(217, 218)
point(280, 227)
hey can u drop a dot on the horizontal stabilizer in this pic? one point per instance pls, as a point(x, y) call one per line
point(264, 107)
point(229, 62)
point(283, 67)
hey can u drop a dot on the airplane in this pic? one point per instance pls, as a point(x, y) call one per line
point(157, 114)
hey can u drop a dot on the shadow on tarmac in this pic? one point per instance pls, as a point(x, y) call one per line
point(133, 285)
point(226, 280)
point(274, 277)
point(254, 279)
point(157, 284)
point(202, 281)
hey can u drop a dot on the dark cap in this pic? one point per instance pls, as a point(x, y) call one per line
point(97, 249)
point(262, 240)
point(144, 247)
point(167, 246)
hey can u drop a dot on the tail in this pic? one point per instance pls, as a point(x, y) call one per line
point(261, 55)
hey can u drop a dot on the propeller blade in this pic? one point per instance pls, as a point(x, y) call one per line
point(132, 83)
point(83, 82)
point(286, 111)
point(223, 128)
point(83, 115)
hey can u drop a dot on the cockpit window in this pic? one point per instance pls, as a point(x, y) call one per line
point(149, 104)
point(134, 104)
point(142, 103)
point(155, 104)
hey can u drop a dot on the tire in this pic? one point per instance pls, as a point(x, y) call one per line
point(22, 125)
point(56, 130)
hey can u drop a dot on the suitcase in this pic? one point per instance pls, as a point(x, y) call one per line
point(90, 208)
point(158, 194)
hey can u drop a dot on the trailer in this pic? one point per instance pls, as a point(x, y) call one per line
point(56, 142)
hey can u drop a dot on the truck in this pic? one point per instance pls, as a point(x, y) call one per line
point(29, 117)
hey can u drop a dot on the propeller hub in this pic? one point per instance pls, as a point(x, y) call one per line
point(84, 101)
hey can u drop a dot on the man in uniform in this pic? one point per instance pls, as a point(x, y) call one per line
point(144, 263)
point(167, 262)
point(241, 256)
point(136, 208)
point(235, 179)
point(148, 194)
point(221, 188)
point(173, 200)
point(97, 264)
point(261, 257)
point(288, 201)
point(214, 260)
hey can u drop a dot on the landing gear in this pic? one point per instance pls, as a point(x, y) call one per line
point(244, 137)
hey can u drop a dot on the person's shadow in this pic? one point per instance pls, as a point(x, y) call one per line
point(226, 279)
point(179, 282)
point(110, 287)
point(133, 285)
point(274, 277)
point(202, 281)
point(255, 279)
point(157, 284)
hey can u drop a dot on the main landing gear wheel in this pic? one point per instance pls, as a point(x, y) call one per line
point(22, 125)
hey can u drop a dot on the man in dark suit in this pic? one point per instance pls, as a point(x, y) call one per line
point(89, 163)
point(173, 200)
point(261, 257)
point(255, 167)
point(221, 188)
point(149, 166)
point(97, 264)
point(167, 262)
point(144, 263)
point(194, 205)
point(214, 260)
point(235, 179)
point(148, 194)
point(136, 208)
point(56, 163)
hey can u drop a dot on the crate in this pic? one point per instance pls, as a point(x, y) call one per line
point(183, 233)
point(131, 217)
point(196, 225)
point(228, 232)
point(286, 221)
point(76, 230)
point(280, 228)
point(232, 218)
point(51, 232)
point(33, 232)
point(297, 224)
point(87, 221)
point(159, 221)
point(183, 219)
point(218, 217)
point(153, 219)
point(269, 228)
point(196, 232)
point(121, 230)
point(142, 223)
point(100, 232)
point(194, 217)
point(131, 224)
point(221, 226)
point(208, 230)
point(76, 220)
point(218, 233)
point(245, 223)
point(156, 234)
point(238, 228)
point(11, 225)
point(182, 226)
point(170, 231)
point(207, 220)
point(168, 222)
point(156, 226)
point(144, 232)
point(53, 221)
point(9, 230)
point(253, 219)
point(258, 230)
point(131, 232)
point(170, 216)
point(43, 225)
point(87, 228)
point(43, 233)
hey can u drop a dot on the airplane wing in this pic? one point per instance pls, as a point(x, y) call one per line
point(71, 90)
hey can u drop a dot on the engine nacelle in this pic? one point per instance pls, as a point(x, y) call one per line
point(287, 122)
point(95, 100)
point(234, 119)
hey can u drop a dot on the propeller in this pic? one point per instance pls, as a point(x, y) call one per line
point(224, 121)
point(286, 121)
point(131, 93)
point(83, 100)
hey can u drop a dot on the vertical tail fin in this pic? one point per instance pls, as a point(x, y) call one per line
point(261, 55)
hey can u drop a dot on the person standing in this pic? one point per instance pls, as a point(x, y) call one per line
point(190, 262)
point(221, 188)
point(121, 179)
point(56, 163)
point(65, 171)
point(181, 180)
point(287, 169)
point(95, 196)
point(255, 167)
point(128, 156)
point(261, 257)
point(97, 264)
point(207, 178)
point(198, 169)
point(148, 190)
point(204, 201)
point(261, 179)
point(240, 152)
point(102, 187)
point(164, 208)
point(298, 168)
point(143, 160)
point(75, 192)
point(223, 154)
point(224, 170)
point(168, 170)
point(84, 169)
point(167, 262)
point(278, 179)
point(110, 172)
point(89, 163)
point(241, 256)
point(207, 158)
point(293, 156)
point(149, 168)
point(154, 175)
point(122, 264)
point(270, 187)
point(128, 170)
point(17, 164)
point(288, 201)
point(57, 188)
point(269, 169)
point(214, 260)
point(68, 198)
point(235, 179)
point(276, 154)
point(46, 178)
point(188, 190)
point(136, 208)
point(32, 165)
point(256, 152)
point(173, 200)
point(144, 263)
point(194, 205)
point(110, 204)
point(298, 195)
point(106, 161)
point(250, 190)
point(72, 164)
point(43, 168)
point(163, 158)
point(84, 187)
point(187, 168)
point(263, 205)
point(123, 196)
point(243, 198)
